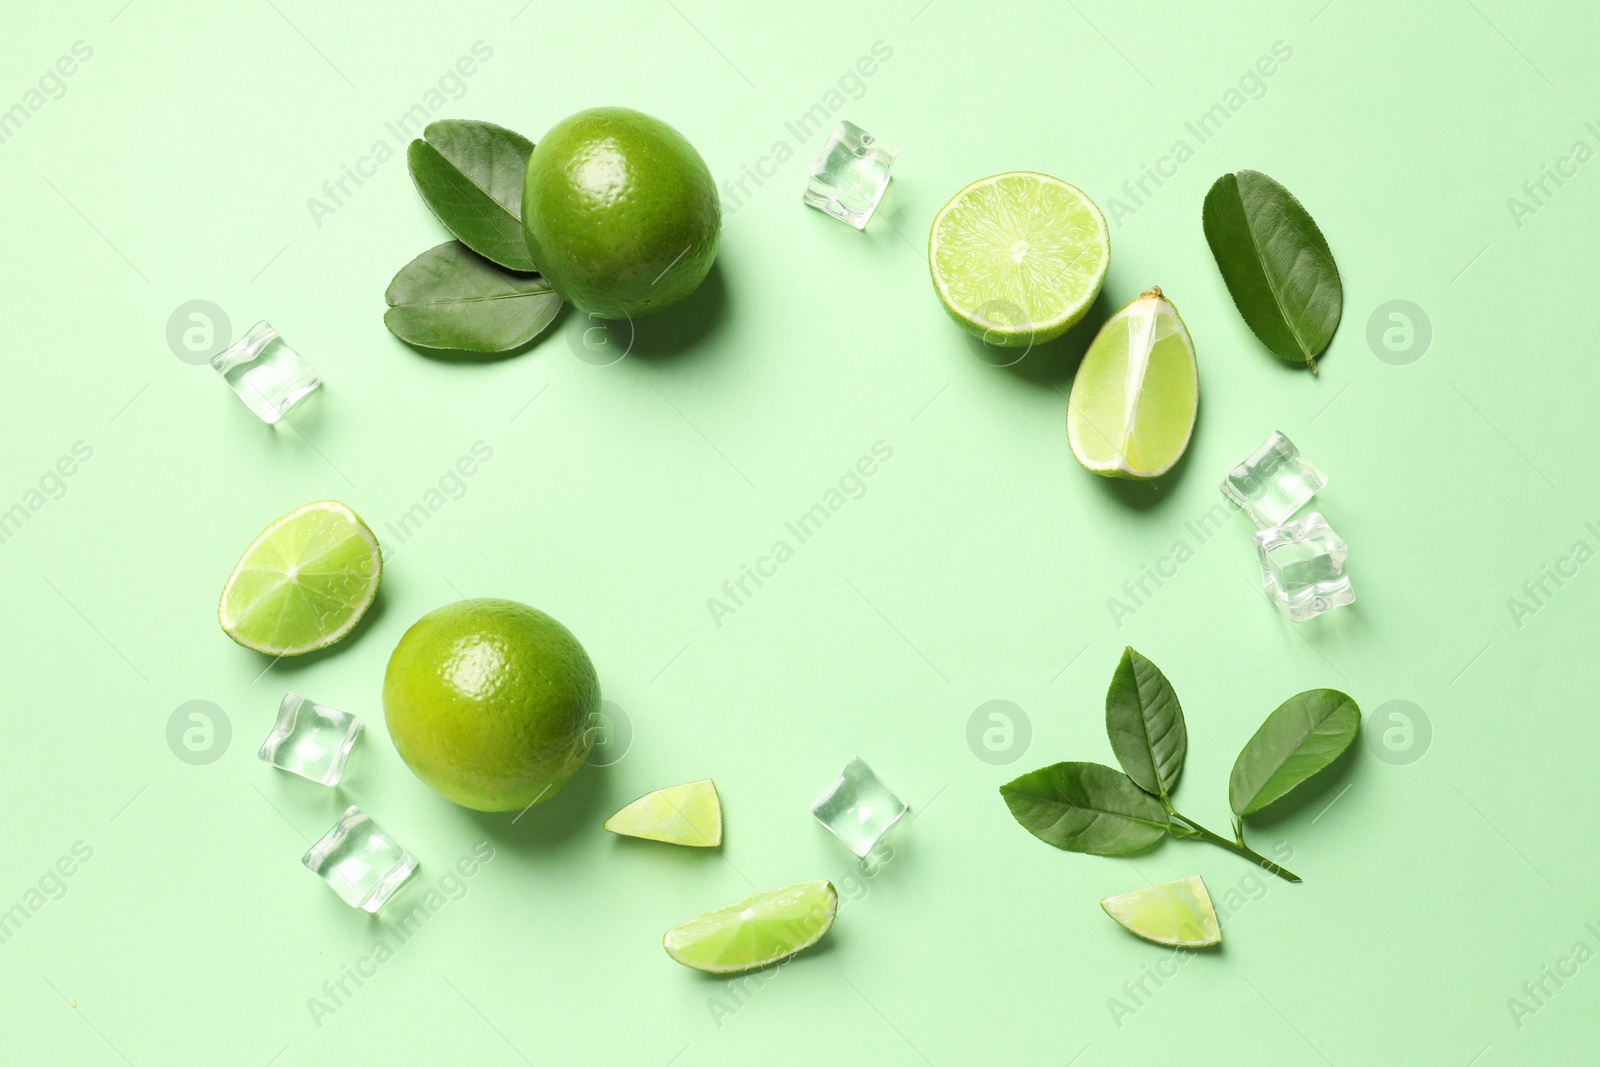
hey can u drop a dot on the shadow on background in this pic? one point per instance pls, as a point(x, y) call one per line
point(1054, 362)
point(687, 325)
point(580, 807)
point(1144, 494)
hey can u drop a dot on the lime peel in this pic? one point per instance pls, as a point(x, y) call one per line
point(689, 814)
point(493, 704)
point(755, 932)
point(620, 213)
point(304, 582)
point(1176, 914)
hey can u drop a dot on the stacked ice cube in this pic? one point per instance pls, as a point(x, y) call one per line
point(1302, 560)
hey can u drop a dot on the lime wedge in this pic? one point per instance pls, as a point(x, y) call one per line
point(303, 583)
point(1018, 258)
point(756, 932)
point(679, 815)
point(1173, 913)
point(1137, 390)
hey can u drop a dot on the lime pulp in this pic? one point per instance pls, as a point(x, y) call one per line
point(304, 582)
point(1018, 258)
point(757, 931)
point(1178, 913)
point(687, 814)
point(1137, 392)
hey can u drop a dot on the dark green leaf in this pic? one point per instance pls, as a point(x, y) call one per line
point(1276, 263)
point(1086, 807)
point(1305, 734)
point(470, 175)
point(1146, 726)
point(449, 298)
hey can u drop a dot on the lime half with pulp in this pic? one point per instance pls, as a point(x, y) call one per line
point(1018, 258)
point(756, 932)
point(1178, 913)
point(1137, 392)
point(687, 814)
point(304, 582)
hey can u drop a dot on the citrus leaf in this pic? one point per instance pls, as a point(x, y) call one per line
point(1145, 722)
point(1305, 734)
point(1277, 264)
point(1086, 807)
point(450, 298)
point(470, 175)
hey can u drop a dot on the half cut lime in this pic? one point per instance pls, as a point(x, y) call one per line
point(756, 932)
point(1137, 392)
point(1018, 258)
point(304, 582)
point(1178, 913)
point(687, 814)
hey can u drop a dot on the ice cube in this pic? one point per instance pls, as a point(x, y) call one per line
point(269, 376)
point(850, 176)
point(360, 861)
point(858, 808)
point(311, 739)
point(1274, 482)
point(1302, 567)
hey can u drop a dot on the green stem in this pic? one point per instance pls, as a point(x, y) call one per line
point(1238, 847)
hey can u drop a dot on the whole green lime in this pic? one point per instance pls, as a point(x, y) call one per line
point(620, 212)
point(489, 703)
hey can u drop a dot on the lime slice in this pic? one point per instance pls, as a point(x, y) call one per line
point(1137, 390)
point(756, 932)
point(1018, 258)
point(303, 583)
point(679, 815)
point(1173, 913)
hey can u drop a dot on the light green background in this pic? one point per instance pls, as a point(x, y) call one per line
point(177, 164)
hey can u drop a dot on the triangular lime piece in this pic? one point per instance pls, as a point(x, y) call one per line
point(1178, 913)
point(756, 932)
point(304, 582)
point(679, 815)
point(1136, 394)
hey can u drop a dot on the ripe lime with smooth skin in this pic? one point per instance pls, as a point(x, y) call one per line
point(303, 583)
point(688, 814)
point(1178, 913)
point(489, 702)
point(1136, 394)
point(756, 932)
point(1018, 258)
point(620, 212)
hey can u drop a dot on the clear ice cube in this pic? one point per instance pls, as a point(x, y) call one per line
point(850, 176)
point(1274, 482)
point(360, 861)
point(1302, 567)
point(311, 739)
point(858, 808)
point(269, 376)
